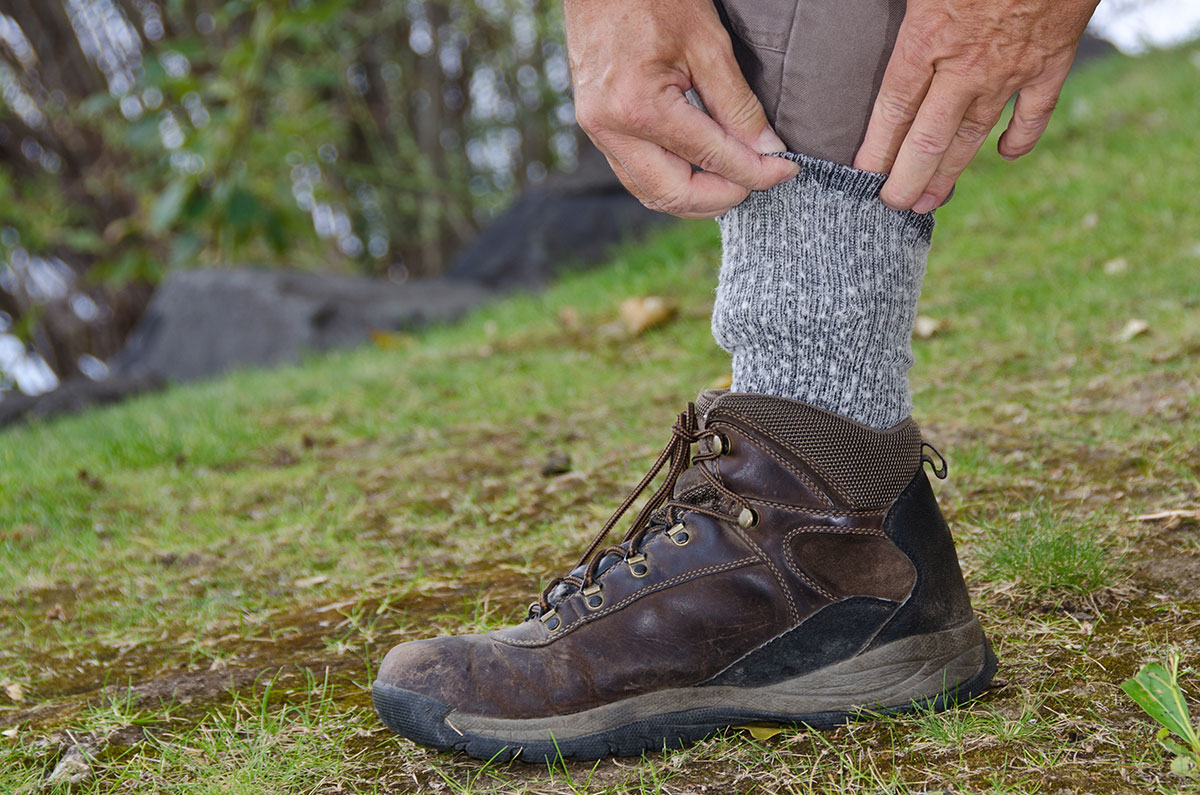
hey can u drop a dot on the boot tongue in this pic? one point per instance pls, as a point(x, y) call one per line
point(705, 401)
point(691, 477)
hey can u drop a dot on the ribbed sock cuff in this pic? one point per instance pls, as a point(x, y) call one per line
point(818, 292)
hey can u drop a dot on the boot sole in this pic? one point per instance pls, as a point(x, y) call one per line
point(923, 672)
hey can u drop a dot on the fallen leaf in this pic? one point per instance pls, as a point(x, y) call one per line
point(9, 733)
point(722, 382)
point(14, 691)
point(1134, 327)
point(309, 582)
point(642, 314)
point(1182, 513)
point(390, 340)
point(1116, 266)
point(925, 327)
point(761, 731)
point(73, 768)
point(568, 318)
point(1173, 518)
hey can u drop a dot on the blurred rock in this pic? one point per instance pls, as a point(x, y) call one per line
point(556, 463)
point(204, 322)
point(75, 395)
point(571, 220)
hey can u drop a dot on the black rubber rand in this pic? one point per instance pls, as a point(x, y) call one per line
point(422, 720)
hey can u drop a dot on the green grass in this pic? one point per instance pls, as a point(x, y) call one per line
point(163, 560)
point(1044, 554)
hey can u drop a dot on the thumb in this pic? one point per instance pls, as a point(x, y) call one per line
point(724, 94)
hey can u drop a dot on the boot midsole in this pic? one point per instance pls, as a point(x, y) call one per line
point(894, 675)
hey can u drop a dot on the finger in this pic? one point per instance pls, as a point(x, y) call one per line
point(905, 84)
point(729, 99)
point(676, 125)
point(972, 131)
point(928, 139)
point(1031, 114)
point(671, 185)
point(623, 177)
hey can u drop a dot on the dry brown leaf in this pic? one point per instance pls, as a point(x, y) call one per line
point(390, 340)
point(568, 318)
point(1173, 518)
point(926, 326)
point(1181, 513)
point(644, 313)
point(309, 582)
point(1134, 327)
point(14, 691)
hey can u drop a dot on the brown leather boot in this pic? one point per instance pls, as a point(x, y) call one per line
point(797, 569)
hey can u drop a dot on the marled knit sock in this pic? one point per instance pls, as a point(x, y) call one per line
point(818, 292)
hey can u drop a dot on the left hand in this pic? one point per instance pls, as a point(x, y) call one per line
point(955, 65)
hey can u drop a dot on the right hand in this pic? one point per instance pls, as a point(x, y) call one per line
point(632, 61)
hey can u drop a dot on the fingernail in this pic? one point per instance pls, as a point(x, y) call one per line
point(1009, 158)
point(793, 170)
point(926, 203)
point(770, 142)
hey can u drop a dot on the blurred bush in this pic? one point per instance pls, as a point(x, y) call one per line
point(142, 135)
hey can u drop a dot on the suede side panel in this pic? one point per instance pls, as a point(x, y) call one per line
point(846, 562)
point(939, 600)
point(834, 633)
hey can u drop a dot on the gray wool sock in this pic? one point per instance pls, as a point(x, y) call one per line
point(818, 292)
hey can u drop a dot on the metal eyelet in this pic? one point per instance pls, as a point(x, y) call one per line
point(747, 518)
point(719, 444)
point(593, 597)
point(679, 534)
point(637, 565)
point(551, 620)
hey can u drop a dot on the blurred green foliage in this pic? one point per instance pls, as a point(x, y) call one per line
point(311, 132)
point(138, 136)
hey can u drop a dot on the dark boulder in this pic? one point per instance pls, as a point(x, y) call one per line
point(571, 220)
point(204, 322)
point(74, 395)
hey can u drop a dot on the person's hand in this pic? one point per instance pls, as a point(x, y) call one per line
point(954, 68)
point(632, 62)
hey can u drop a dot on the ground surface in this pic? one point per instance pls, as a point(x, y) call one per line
point(196, 585)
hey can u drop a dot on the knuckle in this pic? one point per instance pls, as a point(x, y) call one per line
point(710, 157)
point(972, 131)
point(1020, 148)
point(926, 144)
point(744, 108)
point(638, 117)
point(1045, 108)
point(590, 117)
point(674, 202)
point(894, 111)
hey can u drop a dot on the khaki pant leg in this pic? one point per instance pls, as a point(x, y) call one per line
point(816, 65)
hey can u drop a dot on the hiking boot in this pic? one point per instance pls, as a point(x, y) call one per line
point(796, 569)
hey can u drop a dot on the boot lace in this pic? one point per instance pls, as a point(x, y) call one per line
point(659, 511)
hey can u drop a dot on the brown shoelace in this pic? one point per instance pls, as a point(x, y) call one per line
point(684, 433)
